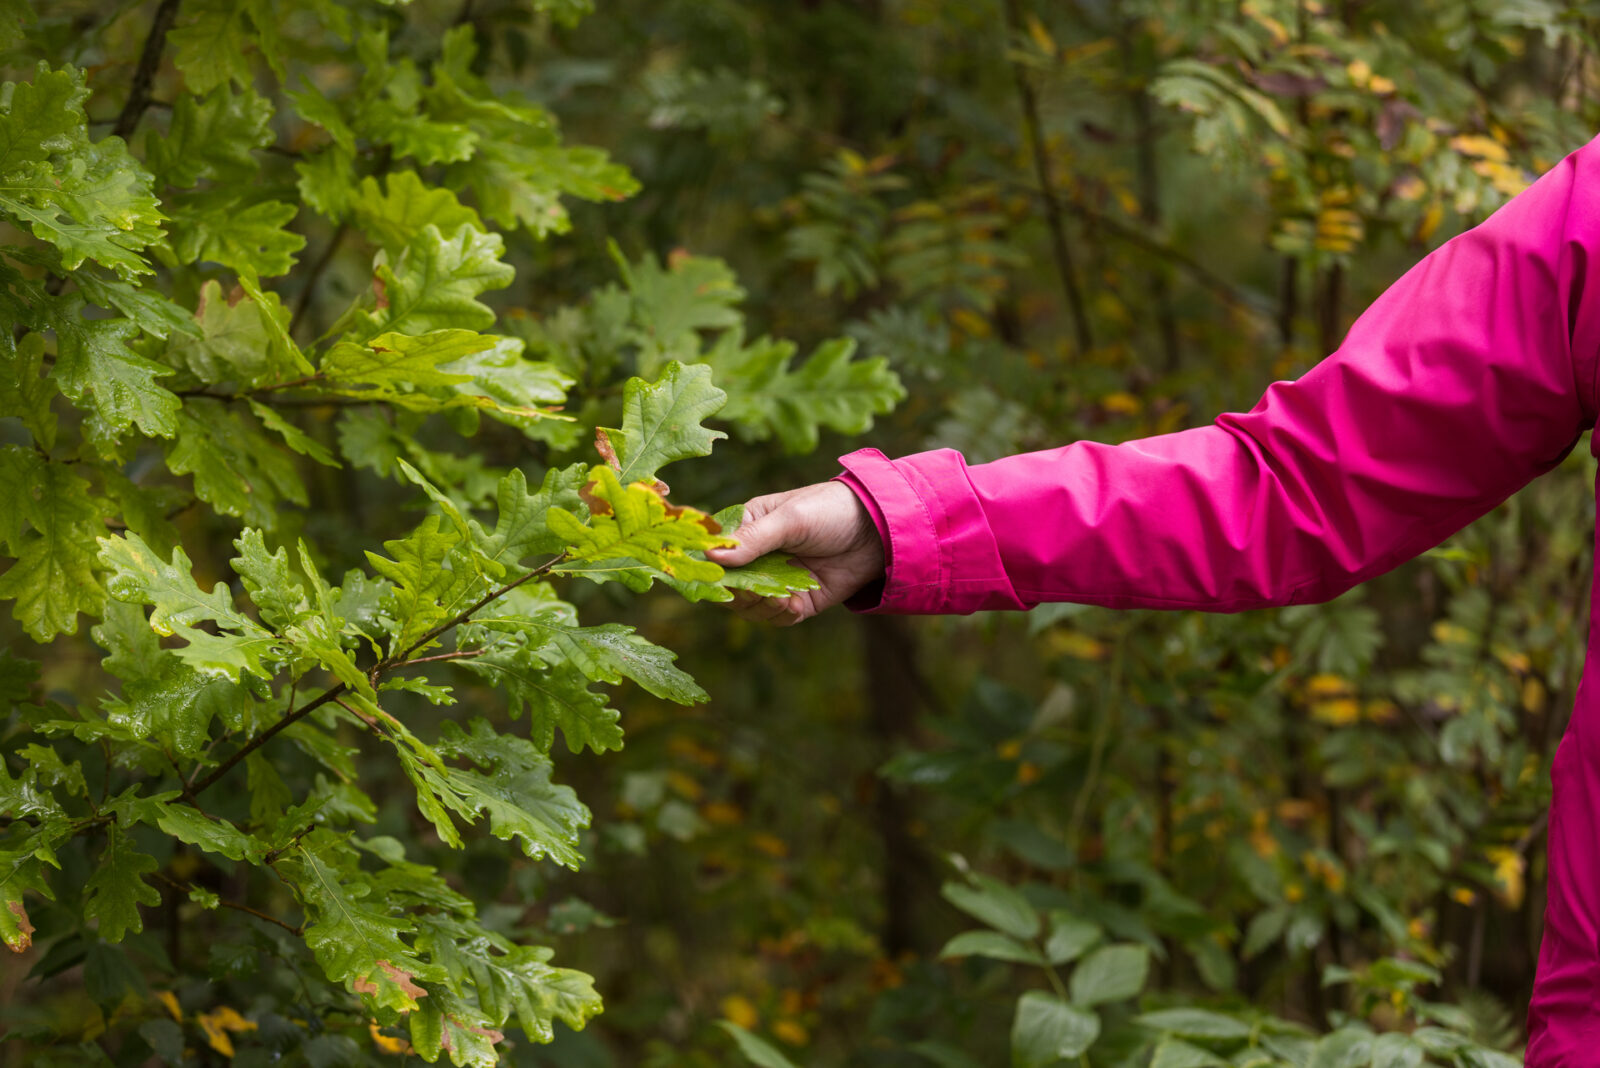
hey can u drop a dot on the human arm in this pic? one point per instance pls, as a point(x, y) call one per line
point(1471, 375)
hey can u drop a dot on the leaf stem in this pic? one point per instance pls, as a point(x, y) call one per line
point(1056, 983)
point(294, 842)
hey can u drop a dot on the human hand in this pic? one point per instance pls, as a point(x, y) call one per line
point(826, 529)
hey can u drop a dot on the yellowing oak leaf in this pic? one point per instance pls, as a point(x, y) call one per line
point(636, 523)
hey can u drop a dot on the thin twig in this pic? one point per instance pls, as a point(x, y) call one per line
point(314, 275)
point(149, 60)
point(1141, 239)
point(468, 655)
point(235, 905)
point(1531, 835)
point(1102, 737)
point(1047, 188)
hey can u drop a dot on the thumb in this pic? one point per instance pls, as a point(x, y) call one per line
point(761, 533)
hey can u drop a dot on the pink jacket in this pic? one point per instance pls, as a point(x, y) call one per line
point(1471, 375)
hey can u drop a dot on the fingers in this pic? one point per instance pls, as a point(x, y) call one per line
point(766, 528)
point(781, 611)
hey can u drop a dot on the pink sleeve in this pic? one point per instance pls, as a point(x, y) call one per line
point(1468, 377)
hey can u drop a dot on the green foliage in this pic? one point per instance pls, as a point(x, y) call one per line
point(298, 412)
point(190, 459)
point(1230, 810)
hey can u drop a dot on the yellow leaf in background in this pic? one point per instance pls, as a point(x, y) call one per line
point(1329, 686)
point(1533, 695)
point(1280, 35)
point(791, 1032)
point(721, 814)
point(217, 1024)
point(970, 323)
point(1009, 750)
point(1360, 73)
point(1087, 50)
point(771, 845)
point(1122, 403)
point(738, 1009)
point(1027, 773)
point(1339, 230)
point(1507, 178)
point(1296, 809)
point(170, 1000)
point(1514, 660)
point(1076, 644)
point(1447, 633)
point(1337, 712)
point(1381, 711)
point(1380, 85)
point(1463, 896)
point(1430, 221)
point(1480, 146)
point(1041, 36)
point(387, 1043)
point(1509, 870)
point(1263, 842)
point(690, 749)
point(1530, 770)
point(1171, 419)
point(1409, 187)
point(684, 786)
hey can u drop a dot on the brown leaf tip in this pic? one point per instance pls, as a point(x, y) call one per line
point(597, 505)
point(24, 938)
point(607, 451)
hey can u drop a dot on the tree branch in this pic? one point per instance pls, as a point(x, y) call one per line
point(336, 692)
point(1047, 189)
point(191, 792)
point(149, 60)
point(1140, 239)
point(493, 595)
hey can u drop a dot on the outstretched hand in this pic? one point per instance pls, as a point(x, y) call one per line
point(826, 529)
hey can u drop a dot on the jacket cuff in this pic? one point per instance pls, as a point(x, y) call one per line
point(941, 556)
point(869, 599)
